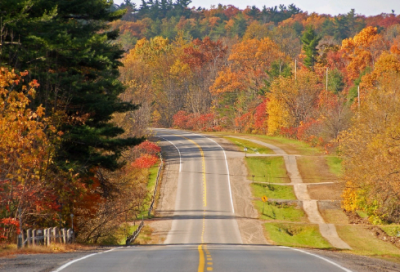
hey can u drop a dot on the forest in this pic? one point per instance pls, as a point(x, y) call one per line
point(81, 81)
point(331, 81)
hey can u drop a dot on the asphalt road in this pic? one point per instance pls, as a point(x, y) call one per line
point(204, 234)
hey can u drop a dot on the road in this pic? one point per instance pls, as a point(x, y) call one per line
point(204, 235)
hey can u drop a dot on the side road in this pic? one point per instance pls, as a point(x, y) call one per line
point(328, 231)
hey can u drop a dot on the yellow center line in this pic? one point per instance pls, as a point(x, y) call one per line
point(201, 259)
point(200, 247)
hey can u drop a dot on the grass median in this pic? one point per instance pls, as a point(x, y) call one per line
point(267, 169)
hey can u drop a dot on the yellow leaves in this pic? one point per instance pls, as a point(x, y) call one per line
point(23, 142)
point(179, 69)
point(291, 101)
point(371, 149)
point(278, 115)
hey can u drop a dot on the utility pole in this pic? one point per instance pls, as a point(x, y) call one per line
point(20, 242)
point(326, 98)
point(295, 69)
point(358, 98)
point(327, 69)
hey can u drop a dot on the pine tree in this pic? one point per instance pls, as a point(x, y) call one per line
point(69, 51)
point(310, 42)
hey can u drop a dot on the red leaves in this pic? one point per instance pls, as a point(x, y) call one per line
point(202, 122)
point(148, 147)
point(148, 155)
point(145, 161)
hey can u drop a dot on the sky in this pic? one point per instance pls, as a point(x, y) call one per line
point(333, 7)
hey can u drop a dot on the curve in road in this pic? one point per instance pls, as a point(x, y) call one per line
point(204, 235)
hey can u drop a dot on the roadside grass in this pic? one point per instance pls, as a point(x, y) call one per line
point(144, 236)
point(391, 230)
point(252, 148)
point(363, 242)
point(334, 216)
point(335, 165)
point(296, 235)
point(152, 176)
point(291, 146)
point(307, 165)
point(267, 169)
point(280, 211)
point(362, 214)
point(273, 191)
point(118, 237)
point(11, 249)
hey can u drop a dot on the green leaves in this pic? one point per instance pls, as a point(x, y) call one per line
point(310, 42)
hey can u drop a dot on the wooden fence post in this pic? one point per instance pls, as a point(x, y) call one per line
point(29, 236)
point(64, 235)
point(48, 231)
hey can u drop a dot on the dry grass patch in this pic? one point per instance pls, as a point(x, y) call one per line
point(335, 217)
point(363, 242)
point(315, 170)
point(331, 191)
point(11, 249)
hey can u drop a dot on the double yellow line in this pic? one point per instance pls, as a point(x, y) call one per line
point(202, 263)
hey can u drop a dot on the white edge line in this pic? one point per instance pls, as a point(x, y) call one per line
point(80, 259)
point(180, 157)
point(320, 257)
point(227, 169)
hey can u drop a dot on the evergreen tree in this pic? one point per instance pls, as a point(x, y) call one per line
point(69, 51)
point(310, 42)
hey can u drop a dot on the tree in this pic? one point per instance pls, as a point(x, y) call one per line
point(371, 141)
point(361, 51)
point(292, 101)
point(70, 54)
point(310, 42)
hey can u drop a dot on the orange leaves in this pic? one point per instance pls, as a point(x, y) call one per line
point(250, 59)
point(228, 81)
point(255, 54)
point(387, 63)
point(360, 50)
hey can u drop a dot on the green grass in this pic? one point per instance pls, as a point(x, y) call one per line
point(118, 237)
point(296, 235)
point(391, 230)
point(267, 169)
point(273, 191)
point(252, 148)
point(152, 178)
point(276, 211)
point(362, 214)
point(335, 165)
point(301, 148)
